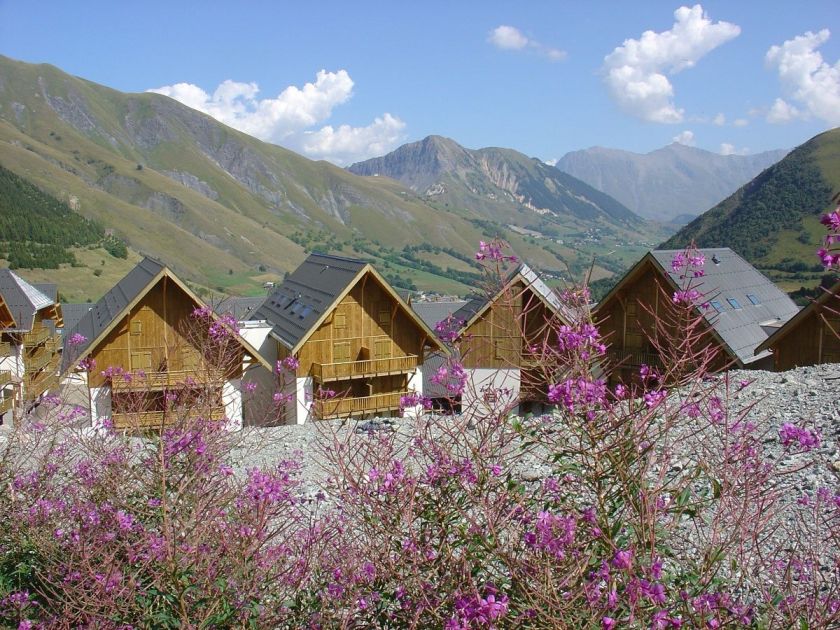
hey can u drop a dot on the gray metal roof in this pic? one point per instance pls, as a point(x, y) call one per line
point(433, 312)
point(73, 313)
point(50, 289)
point(240, 307)
point(730, 277)
point(297, 304)
point(103, 313)
point(22, 299)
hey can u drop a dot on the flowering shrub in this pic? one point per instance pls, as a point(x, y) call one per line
point(638, 505)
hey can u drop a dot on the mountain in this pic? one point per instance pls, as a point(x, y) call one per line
point(669, 182)
point(773, 221)
point(503, 183)
point(229, 212)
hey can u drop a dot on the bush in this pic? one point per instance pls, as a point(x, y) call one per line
point(659, 508)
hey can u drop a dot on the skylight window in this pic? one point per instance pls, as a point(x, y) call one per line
point(753, 298)
point(306, 311)
point(734, 303)
point(716, 305)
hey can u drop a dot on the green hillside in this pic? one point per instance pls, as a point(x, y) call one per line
point(773, 221)
point(227, 211)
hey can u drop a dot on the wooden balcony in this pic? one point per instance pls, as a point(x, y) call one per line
point(324, 372)
point(154, 419)
point(37, 335)
point(150, 381)
point(7, 349)
point(40, 382)
point(348, 406)
point(5, 377)
point(34, 360)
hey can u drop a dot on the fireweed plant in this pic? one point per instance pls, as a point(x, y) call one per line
point(649, 503)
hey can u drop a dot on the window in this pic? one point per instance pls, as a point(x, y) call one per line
point(340, 320)
point(716, 305)
point(306, 311)
point(734, 303)
point(136, 327)
point(341, 351)
point(753, 298)
point(382, 348)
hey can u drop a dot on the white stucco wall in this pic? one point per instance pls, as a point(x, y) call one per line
point(504, 384)
point(232, 399)
point(100, 403)
point(258, 407)
point(415, 384)
point(303, 400)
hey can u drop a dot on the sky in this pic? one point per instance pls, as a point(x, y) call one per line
point(345, 81)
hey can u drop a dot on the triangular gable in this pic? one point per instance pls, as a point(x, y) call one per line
point(22, 299)
point(531, 281)
point(6, 316)
point(802, 315)
point(637, 270)
point(116, 305)
point(409, 312)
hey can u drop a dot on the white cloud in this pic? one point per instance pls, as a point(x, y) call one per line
point(806, 79)
point(636, 71)
point(719, 120)
point(781, 112)
point(511, 38)
point(740, 122)
point(289, 117)
point(347, 144)
point(508, 38)
point(684, 137)
point(729, 149)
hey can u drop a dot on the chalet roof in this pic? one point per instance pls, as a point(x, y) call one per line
point(50, 289)
point(794, 322)
point(22, 299)
point(240, 307)
point(300, 304)
point(433, 312)
point(727, 276)
point(477, 304)
point(103, 315)
point(73, 313)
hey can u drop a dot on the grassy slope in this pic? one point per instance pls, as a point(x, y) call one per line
point(774, 220)
point(229, 243)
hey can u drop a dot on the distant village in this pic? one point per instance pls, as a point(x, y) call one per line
point(336, 340)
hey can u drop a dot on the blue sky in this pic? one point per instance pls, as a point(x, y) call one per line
point(349, 80)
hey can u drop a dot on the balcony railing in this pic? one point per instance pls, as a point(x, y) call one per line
point(5, 377)
point(7, 349)
point(37, 359)
point(155, 419)
point(139, 380)
point(348, 406)
point(39, 383)
point(634, 358)
point(323, 372)
point(36, 336)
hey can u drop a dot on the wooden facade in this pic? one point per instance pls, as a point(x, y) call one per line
point(812, 337)
point(365, 348)
point(154, 362)
point(523, 315)
point(627, 318)
point(29, 347)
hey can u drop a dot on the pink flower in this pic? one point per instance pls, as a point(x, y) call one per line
point(805, 438)
point(76, 339)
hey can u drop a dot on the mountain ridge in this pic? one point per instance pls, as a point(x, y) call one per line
point(669, 181)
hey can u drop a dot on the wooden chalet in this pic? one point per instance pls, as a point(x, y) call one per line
point(744, 305)
point(351, 334)
point(497, 332)
point(145, 359)
point(29, 346)
point(810, 337)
